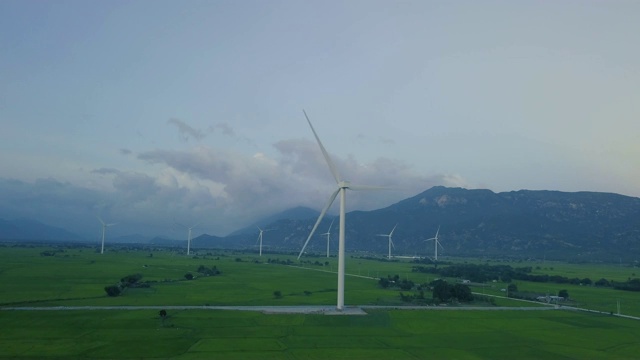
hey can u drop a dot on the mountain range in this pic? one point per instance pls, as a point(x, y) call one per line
point(571, 226)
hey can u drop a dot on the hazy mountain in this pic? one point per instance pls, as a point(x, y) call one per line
point(536, 224)
point(130, 239)
point(25, 229)
point(521, 224)
point(551, 224)
point(296, 213)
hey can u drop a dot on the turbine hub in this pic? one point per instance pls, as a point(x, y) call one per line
point(344, 184)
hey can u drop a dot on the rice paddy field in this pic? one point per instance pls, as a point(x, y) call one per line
point(77, 277)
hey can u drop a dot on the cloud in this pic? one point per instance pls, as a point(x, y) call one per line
point(223, 190)
point(226, 129)
point(124, 151)
point(186, 131)
point(131, 185)
point(53, 202)
point(258, 185)
point(385, 140)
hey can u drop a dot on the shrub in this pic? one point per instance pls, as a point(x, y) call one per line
point(113, 290)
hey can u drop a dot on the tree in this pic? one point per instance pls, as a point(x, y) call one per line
point(277, 294)
point(163, 313)
point(512, 288)
point(462, 293)
point(563, 294)
point(406, 284)
point(384, 283)
point(188, 276)
point(441, 291)
point(113, 290)
point(131, 279)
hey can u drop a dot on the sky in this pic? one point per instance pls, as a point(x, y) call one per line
point(150, 113)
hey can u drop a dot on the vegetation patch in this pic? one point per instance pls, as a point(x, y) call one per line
point(129, 281)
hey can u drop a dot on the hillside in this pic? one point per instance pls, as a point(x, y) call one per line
point(522, 224)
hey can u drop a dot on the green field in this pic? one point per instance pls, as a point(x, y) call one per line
point(77, 277)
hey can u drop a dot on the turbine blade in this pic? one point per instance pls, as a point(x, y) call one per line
point(331, 199)
point(332, 167)
point(392, 244)
point(394, 229)
point(100, 219)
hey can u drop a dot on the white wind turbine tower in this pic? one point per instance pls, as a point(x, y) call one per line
point(188, 235)
point(328, 233)
point(436, 243)
point(342, 190)
point(104, 230)
point(390, 235)
point(260, 238)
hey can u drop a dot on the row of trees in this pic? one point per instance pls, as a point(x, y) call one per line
point(445, 292)
point(441, 290)
point(203, 271)
point(129, 281)
point(506, 273)
point(135, 280)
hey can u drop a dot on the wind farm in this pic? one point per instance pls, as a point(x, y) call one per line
point(232, 154)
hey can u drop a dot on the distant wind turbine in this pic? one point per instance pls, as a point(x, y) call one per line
point(328, 233)
point(188, 235)
point(104, 230)
point(260, 237)
point(436, 243)
point(342, 190)
point(390, 235)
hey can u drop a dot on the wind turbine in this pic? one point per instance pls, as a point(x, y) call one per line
point(389, 235)
point(260, 238)
point(104, 230)
point(188, 236)
point(328, 233)
point(342, 190)
point(436, 243)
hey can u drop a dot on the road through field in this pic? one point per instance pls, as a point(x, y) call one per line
point(303, 309)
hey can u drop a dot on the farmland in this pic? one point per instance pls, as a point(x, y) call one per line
point(77, 276)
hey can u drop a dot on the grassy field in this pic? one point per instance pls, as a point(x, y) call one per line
point(77, 277)
point(399, 334)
